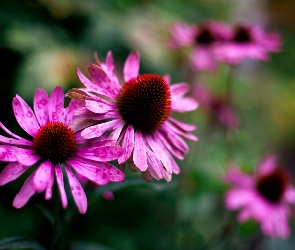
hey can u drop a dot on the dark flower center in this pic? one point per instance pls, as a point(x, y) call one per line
point(205, 37)
point(145, 102)
point(242, 35)
point(55, 142)
point(273, 185)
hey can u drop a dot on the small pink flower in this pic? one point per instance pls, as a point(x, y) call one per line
point(137, 114)
point(264, 197)
point(56, 147)
point(247, 42)
point(202, 39)
point(215, 106)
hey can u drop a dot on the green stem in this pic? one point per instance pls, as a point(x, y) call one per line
point(54, 241)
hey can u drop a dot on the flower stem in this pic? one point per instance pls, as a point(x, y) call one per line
point(55, 234)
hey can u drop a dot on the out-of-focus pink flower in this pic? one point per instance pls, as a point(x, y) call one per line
point(54, 146)
point(202, 39)
point(137, 114)
point(214, 104)
point(247, 42)
point(265, 197)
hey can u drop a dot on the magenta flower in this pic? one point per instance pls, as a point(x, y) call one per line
point(54, 144)
point(247, 42)
point(139, 115)
point(264, 197)
point(202, 39)
point(214, 104)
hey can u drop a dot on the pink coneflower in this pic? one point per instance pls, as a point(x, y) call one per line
point(202, 39)
point(264, 197)
point(247, 42)
point(215, 105)
point(55, 147)
point(139, 113)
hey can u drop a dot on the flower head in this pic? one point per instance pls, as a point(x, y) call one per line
point(137, 114)
point(247, 42)
point(202, 39)
point(264, 197)
point(55, 146)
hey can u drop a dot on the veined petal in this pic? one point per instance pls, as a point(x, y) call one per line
point(42, 176)
point(11, 141)
point(131, 66)
point(48, 191)
point(41, 106)
point(101, 79)
point(174, 129)
point(7, 153)
point(99, 129)
point(139, 152)
point(183, 126)
point(11, 172)
point(60, 185)
point(25, 116)
point(154, 165)
point(69, 111)
point(26, 192)
point(77, 191)
point(98, 107)
point(127, 144)
point(29, 143)
point(56, 105)
point(103, 153)
point(27, 159)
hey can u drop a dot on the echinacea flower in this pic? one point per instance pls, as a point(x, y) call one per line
point(137, 114)
point(247, 42)
point(215, 105)
point(264, 197)
point(56, 148)
point(203, 39)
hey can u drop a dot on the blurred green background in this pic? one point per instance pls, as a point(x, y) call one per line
point(41, 44)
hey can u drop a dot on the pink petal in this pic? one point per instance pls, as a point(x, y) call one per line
point(7, 153)
point(11, 172)
point(99, 129)
point(42, 176)
point(290, 194)
point(178, 90)
point(25, 116)
point(238, 197)
point(26, 142)
point(90, 85)
point(101, 80)
point(237, 177)
point(127, 144)
point(27, 159)
point(105, 153)
point(202, 59)
point(98, 107)
point(48, 191)
point(69, 111)
point(114, 136)
point(41, 106)
point(184, 104)
point(60, 185)
point(139, 153)
point(181, 125)
point(131, 66)
point(174, 129)
point(77, 191)
point(154, 165)
point(56, 105)
point(11, 141)
point(267, 165)
point(167, 79)
point(167, 175)
point(26, 192)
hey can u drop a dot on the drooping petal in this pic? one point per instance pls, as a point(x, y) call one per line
point(77, 191)
point(99, 129)
point(26, 142)
point(26, 192)
point(11, 172)
point(60, 185)
point(7, 153)
point(48, 191)
point(183, 126)
point(56, 105)
point(11, 141)
point(40, 106)
point(25, 116)
point(99, 107)
point(131, 66)
point(42, 176)
point(102, 153)
point(127, 144)
point(139, 152)
point(154, 165)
